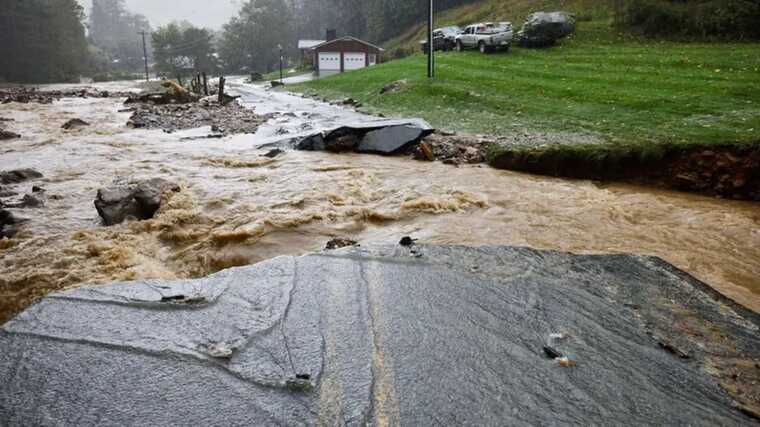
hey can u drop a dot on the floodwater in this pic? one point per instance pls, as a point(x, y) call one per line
point(237, 207)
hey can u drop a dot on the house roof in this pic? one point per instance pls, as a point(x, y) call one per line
point(347, 38)
point(308, 44)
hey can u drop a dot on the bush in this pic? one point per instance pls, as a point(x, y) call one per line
point(739, 19)
point(116, 76)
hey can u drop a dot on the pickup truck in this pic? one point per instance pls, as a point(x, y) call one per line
point(487, 37)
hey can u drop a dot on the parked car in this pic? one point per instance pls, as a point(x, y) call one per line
point(487, 37)
point(443, 39)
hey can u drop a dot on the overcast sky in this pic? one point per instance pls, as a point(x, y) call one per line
point(204, 13)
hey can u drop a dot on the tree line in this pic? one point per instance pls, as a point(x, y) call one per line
point(42, 41)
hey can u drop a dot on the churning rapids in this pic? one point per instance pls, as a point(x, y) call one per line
point(237, 207)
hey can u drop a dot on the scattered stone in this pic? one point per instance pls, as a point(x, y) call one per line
point(36, 189)
point(276, 83)
point(29, 201)
point(32, 95)
point(5, 119)
point(453, 149)
point(18, 176)
point(139, 200)
point(397, 86)
point(340, 242)
point(224, 119)
point(75, 124)
point(6, 135)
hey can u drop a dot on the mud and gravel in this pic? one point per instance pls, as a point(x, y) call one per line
point(226, 119)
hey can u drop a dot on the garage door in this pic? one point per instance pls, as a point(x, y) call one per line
point(329, 61)
point(354, 61)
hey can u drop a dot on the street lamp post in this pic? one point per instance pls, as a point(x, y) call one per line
point(279, 46)
point(431, 47)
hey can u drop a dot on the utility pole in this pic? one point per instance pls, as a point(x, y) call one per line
point(431, 47)
point(145, 56)
point(279, 46)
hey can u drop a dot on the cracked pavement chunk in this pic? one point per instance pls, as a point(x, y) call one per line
point(374, 336)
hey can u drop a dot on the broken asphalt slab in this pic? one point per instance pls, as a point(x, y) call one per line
point(375, 136)
point(395, 335)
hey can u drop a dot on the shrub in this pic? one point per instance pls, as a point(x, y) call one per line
point(738, 19)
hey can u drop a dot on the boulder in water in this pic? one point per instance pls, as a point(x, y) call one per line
point(18, 176)
point(543, 29)
point(378, 335)
point(8, 224)
point(75, 124)
point(140, 200)
point(6, 135)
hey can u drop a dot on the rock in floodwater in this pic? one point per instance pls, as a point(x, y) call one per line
point(6, 135)
point(8, 224)
point(140, 200)
point(75, 124)
point(18, 176)
point(372, 336)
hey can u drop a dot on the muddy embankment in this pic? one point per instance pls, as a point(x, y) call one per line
point(722, 170)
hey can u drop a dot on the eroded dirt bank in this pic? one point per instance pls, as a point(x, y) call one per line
point(237, 206)
point(729, 170)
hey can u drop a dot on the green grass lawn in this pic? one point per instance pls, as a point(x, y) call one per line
point(286, 72)
point(615, 87)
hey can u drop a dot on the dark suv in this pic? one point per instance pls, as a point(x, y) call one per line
point(443, 39)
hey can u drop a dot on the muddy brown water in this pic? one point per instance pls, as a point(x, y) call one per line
point(237, 207)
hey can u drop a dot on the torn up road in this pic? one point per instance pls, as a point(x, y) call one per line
point(386, 137)
point(395, 335)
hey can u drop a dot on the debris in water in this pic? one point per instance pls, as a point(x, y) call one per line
point(407, 241)
point(5, 135)
point(670, 348)
point(340, 242)
point(566, 362)
point(74, 124)
point(273, 153)
point(184, 299)
point(552, 353)
point(18, 175)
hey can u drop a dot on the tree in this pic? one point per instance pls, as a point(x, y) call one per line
point(250, 40)
point(181, 49)
point(114, 31)
point(42, 40)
